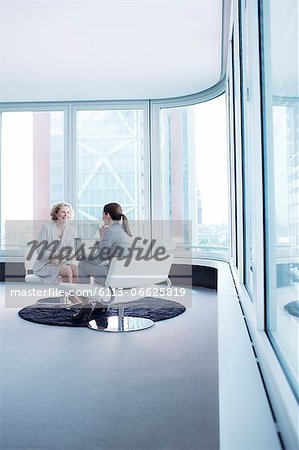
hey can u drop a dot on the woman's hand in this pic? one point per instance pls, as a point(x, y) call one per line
point(102, 230)
point(55, 261)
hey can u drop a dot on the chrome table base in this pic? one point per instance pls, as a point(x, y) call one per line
point(120, 323)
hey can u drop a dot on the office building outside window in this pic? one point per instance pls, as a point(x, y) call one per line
point(194, 174)
point(110, 162)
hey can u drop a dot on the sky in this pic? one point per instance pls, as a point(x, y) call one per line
point(211, 160)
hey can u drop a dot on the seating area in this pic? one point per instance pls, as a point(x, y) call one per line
point(139, 276)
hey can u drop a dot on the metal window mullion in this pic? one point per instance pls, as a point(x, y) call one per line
point(156, 166)
point(147, 161)
point(231, 144)
point(268, 171)
point(238, 147)
point(2, 252)
point(257, 186)
point(70, 158)
point(32, 107)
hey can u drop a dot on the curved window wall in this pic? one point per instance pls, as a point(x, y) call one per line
point(101, 152)
point(263, 151)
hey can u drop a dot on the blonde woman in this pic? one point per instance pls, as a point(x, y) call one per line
point(51, 269)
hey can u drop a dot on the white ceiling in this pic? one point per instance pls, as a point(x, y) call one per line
point(108, 49)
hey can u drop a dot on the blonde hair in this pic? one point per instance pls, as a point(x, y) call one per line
point(116, 213)
point(55, 208)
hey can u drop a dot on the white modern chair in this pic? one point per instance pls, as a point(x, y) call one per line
point(137, 273)
point(137, 276)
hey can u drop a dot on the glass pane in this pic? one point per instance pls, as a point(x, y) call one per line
point(32, 168)
point(110, 162)
point(280, 95)
point(194, 188)
point(248, 165)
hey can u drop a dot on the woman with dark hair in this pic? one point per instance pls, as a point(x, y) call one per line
point(115, 236)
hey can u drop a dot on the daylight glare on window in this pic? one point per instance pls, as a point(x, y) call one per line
point(194, 173)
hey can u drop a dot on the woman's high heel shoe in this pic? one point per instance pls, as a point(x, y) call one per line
point(83, 314)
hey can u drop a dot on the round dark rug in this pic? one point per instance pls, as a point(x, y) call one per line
point(155, 309)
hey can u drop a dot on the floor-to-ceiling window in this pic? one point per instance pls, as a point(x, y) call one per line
point(32, 165)
point(279, 29)
point(110, 161)
point(194, 174)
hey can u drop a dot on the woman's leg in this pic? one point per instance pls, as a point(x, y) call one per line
point(66, 272)
point(69, 274)
point(87, 269)
point(74, 269)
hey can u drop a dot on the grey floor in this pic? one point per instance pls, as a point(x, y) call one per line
point(73, 388)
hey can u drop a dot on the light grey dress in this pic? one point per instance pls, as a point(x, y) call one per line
point(114, 236)
point(49, 273)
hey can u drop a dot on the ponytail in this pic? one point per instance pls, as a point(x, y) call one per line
point(115, 211)
point(125, 225)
